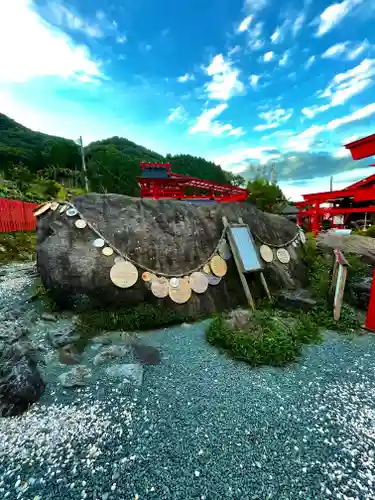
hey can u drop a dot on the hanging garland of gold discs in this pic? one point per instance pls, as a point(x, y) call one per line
point(282, 253)
point(124, 272)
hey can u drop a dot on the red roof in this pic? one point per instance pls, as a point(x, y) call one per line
point(363, 148)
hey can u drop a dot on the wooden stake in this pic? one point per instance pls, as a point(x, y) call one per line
point(265, 286)
point(339, 293)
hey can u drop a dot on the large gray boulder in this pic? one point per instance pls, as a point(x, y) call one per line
point(166, 236)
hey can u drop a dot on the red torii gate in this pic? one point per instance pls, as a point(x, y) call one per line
point(363, 190)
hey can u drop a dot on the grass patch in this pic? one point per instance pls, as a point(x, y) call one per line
point(272, 338)
point(141, 317)
point(17, 246)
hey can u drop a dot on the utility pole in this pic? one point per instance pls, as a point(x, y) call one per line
point(84, 164)
point(331, 183)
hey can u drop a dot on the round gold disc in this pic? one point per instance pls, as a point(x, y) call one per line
point(283, 255)
point(147, 276)
point(80, 223)
point(218, 266)
point(206, 268)
point(266, 253)
point(42, 209)
point(181, 293)
point(160, 287)
point(124, 274)
point(198, 282)
point(224, 250)
point(107, 251)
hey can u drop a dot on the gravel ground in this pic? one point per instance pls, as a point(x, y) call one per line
point(200, 427)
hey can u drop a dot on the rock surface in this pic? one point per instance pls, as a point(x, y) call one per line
point(298, 300)
point(166, 236)
point(362, 246)
point(20, 381)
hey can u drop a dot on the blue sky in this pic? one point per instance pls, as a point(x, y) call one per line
point(238, 82)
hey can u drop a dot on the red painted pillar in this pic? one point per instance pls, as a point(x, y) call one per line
point(370, 318)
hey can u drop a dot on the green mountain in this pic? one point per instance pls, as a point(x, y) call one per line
point(113, 164)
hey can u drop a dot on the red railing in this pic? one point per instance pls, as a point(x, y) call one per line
point(16, 215)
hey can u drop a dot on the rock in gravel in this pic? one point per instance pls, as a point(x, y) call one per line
point(299, 300)
point(239, 318)
point(146, 354)
point(76, 377)
point(110, 353)
point(68, 355)
point(132, 373)
point(46, 316)
point(20, 381)
point(62, 336)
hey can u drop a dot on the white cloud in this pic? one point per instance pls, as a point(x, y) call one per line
point(357, 51)
point(285, 58)
point(177, 114)
point(36, 49)
point(207, 124)
point(351, 138)
point(245, 24)
point(341, 153)
point(336, 50)
point(360, 114)
point(274, 118)
point(239, 158)
point(344, 86)
point(303, 141)
point(65, 18)
point(268, 56)
point(234, 50)
point(298, 23)
point(225, 80)
point(254, 40)
point(278, 133)
point(254, 80)
point(314, 110)
point(333, 15)
point(347, 50)
point(185, 78)
point(121, 39)
point(255, 5)
point(280, 32)
point(310, 62)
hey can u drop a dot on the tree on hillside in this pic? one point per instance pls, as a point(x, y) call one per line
point(235, 179)
point(266, 196)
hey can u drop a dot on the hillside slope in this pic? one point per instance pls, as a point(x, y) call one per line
point(113, 164)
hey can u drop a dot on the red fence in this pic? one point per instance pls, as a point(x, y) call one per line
point(16, 216)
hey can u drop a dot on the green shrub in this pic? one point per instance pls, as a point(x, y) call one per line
point(17, 246)
point(277, 340)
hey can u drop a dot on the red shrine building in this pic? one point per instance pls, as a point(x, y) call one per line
point(338, 209)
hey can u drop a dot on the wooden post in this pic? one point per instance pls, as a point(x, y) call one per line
point(339, 294)
point(265, 286)
point(340, 272)
point(239, 268)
